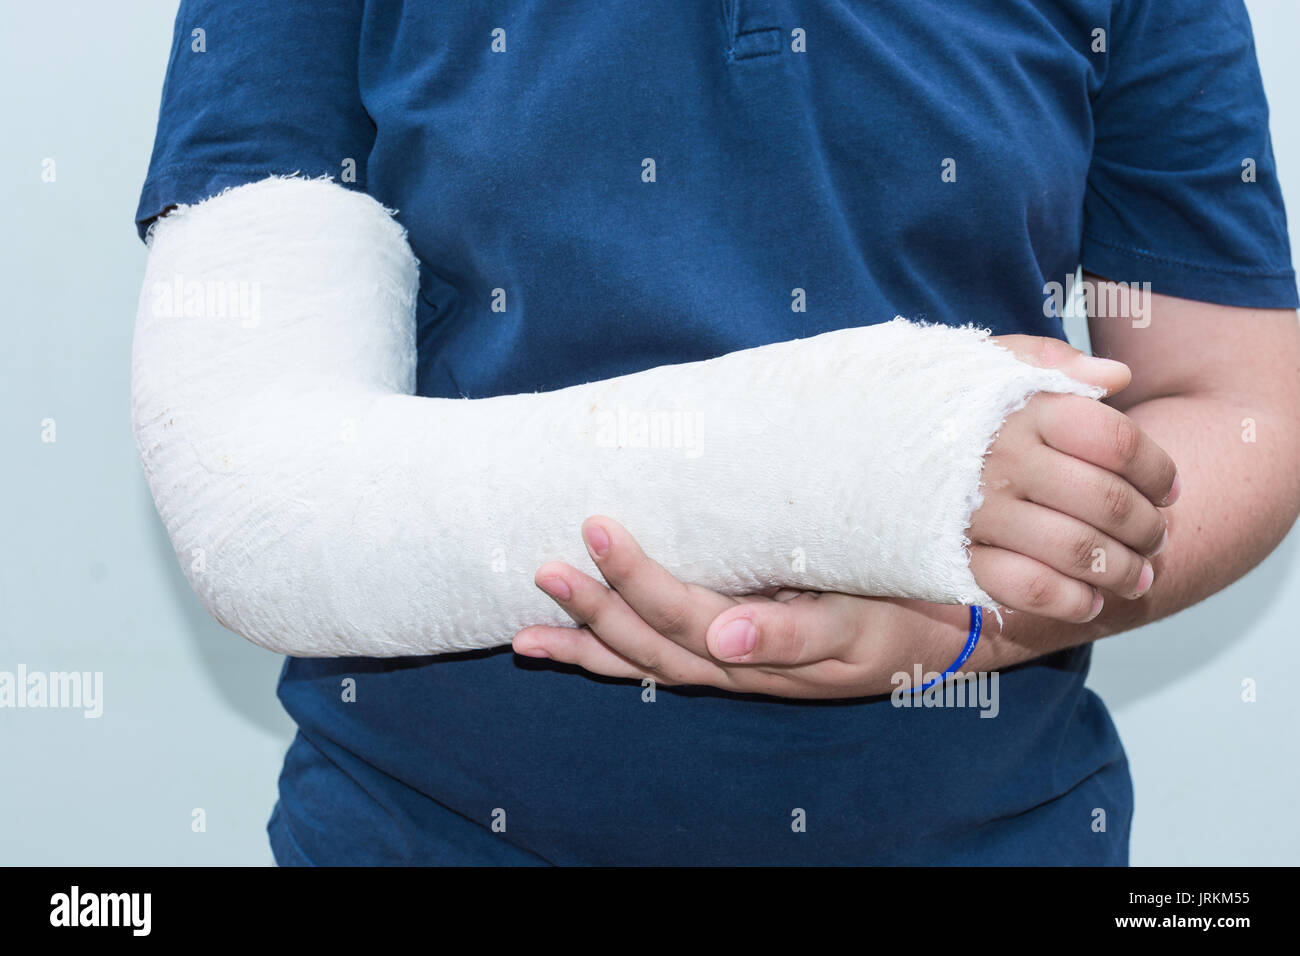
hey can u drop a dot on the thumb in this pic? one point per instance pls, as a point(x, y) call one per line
point(799, 631)
point(1045, 352)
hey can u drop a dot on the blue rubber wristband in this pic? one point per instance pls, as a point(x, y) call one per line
point(976, 625)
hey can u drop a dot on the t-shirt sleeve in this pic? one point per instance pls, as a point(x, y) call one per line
point(255, 89)
point(1182, 190)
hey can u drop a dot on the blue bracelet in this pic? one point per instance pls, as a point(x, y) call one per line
point(976, 625)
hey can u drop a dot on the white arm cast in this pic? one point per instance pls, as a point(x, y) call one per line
point(319, 508)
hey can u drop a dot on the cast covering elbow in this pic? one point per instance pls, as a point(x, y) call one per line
point(319, 508)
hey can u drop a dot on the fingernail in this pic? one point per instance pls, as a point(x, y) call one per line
point(737, 639)
point(1145, 579)
point(1174, 492)
point(597, 540)
point(1097, 603)
point(556, 588)
point(1164, 540)
point(534, 652)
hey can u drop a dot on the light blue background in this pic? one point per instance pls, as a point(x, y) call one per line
point(88, 581)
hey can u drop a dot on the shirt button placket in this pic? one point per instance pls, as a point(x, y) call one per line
point(748, 43)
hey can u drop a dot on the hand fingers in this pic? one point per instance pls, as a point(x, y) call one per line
point(804, 630)
point(1067, 544)
point(592, 604)
point(671, 607)
point(1106, 437)
point(1096, 497)
point(1045, 352)
point(1024, 584)
point(576, 645)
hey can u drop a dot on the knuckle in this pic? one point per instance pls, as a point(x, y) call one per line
point(653, 662)
point(673, 617)
point(1082, 548)
point(1116, 501)
point(671, 678)
point(1126, 440)
point(1040, 591)
point(785, 644)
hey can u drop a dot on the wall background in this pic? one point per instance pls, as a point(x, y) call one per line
point(88, 581)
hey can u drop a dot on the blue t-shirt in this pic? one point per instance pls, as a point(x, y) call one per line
point(649, 183)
